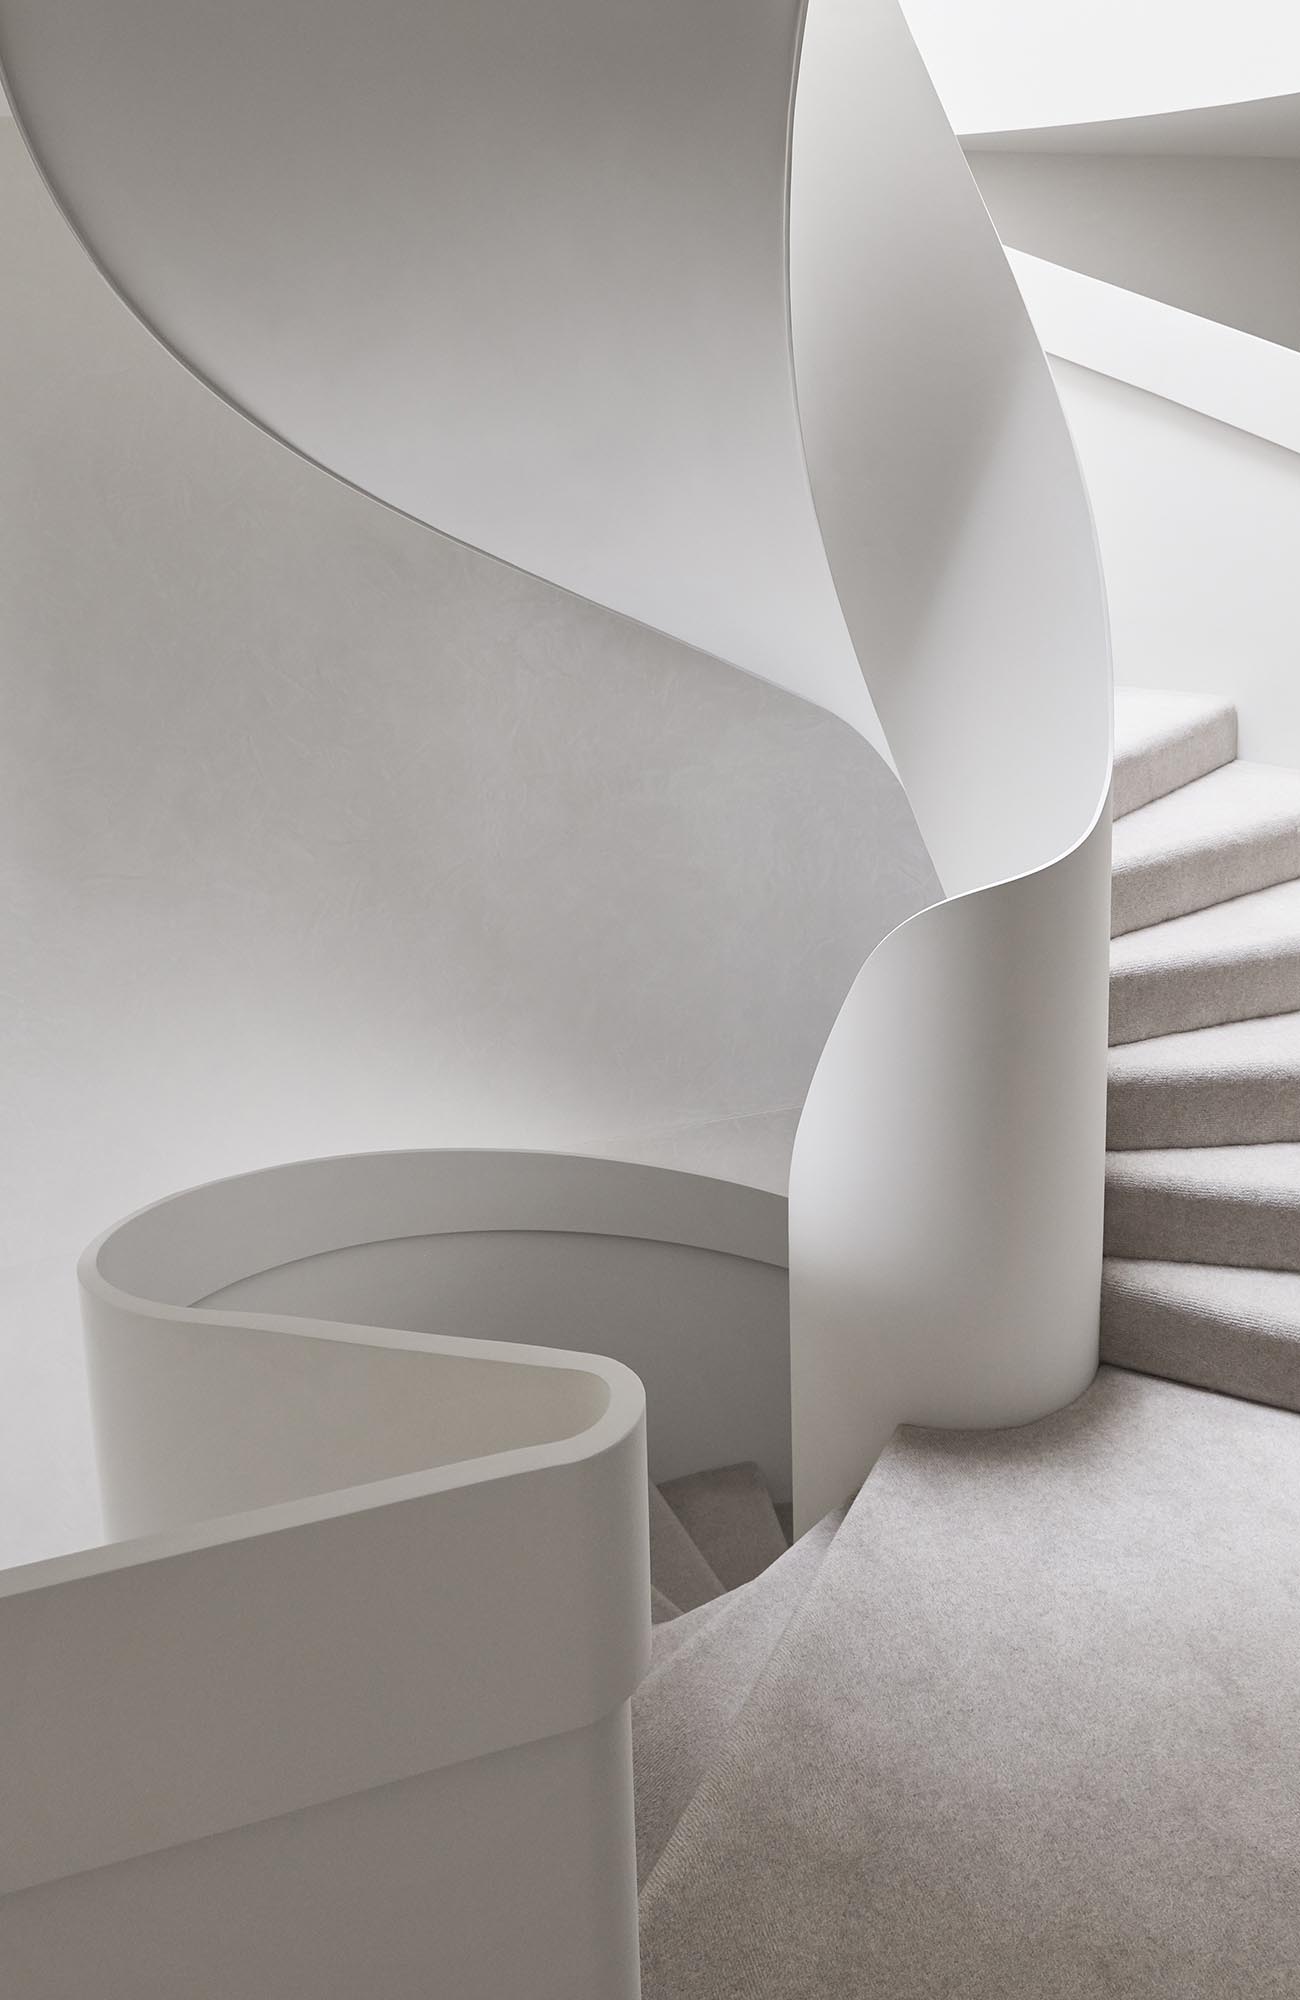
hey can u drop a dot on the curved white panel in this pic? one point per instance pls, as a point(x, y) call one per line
point(518, 271)
point(1223, 373)
point(1003, 65)
point(945, 1191)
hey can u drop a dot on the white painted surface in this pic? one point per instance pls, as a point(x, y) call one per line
point(707, 1333)
point(1214, 237)
point(946, 1184)
point(1216, 370)
point(1199, 525)
point(374, 1584)
point(539, 302)
point(381, 1894)
point(276, 880)
point(1002, 64)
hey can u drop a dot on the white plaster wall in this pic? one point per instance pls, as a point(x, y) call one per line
point(1199, 524)
point(319, 832)
point(1214, 236)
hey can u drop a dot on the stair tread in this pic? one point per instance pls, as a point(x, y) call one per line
point(1235, 830)
point(1232, 961)
point(1220, 1205)
point(677, 1567)
point(728, 1514)
point(1164, 739)
point(695, 1688)
point(1229, 1328)
point(1237, 1083)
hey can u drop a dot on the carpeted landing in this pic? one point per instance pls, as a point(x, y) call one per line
point(1025, 1726)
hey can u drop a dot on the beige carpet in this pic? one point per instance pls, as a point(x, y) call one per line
point(1033, 1734)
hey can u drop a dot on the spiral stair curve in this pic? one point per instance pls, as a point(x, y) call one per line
point(698, 314)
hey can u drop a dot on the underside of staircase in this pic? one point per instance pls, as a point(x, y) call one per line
point(1023, 1719)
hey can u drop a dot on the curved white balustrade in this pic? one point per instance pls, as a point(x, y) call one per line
point(371, 1587)
point(529, 275)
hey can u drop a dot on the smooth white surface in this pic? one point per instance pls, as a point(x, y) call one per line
point(1199, 525)
point(707, 1333)
point(1214, 237)
point(538, 301)
point(1216, 370)
point(1258, 128)
point(678, 1277)
point(945, 1189)
point(319, 832)
point(379, 1894)
point(1000, 64)
point(356, 1555)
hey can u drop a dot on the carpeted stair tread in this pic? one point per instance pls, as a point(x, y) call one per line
point(1033, 1731)
point(683, 1708)
point(1237, 1084)
point(1230, 962)
point(677, 1569)
point(1206, 1205)
point(1224, 1328)
point(1236, 830)
point(1164, 739)
point(662, 1609)
point(728, 1514)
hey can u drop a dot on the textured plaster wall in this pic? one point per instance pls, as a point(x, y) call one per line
point(320, 832)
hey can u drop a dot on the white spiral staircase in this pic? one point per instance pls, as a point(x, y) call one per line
point(697, 313)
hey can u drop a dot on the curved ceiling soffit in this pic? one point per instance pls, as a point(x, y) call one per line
point(539, 305)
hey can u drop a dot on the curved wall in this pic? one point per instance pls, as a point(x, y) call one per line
point(946, 1185)
point(318, 831)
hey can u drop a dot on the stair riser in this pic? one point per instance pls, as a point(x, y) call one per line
point(1220, 1111)
point(1150, 892)
point(1175, 1226)
point(1156, 1337)
point(1154, 772)
point(1173, 1000)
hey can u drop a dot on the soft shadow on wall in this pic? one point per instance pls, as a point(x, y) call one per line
point(320, 832)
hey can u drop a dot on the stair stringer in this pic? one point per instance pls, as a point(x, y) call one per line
point(946, 1184)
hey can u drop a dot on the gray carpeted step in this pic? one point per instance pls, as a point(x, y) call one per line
point(681, 1712)
point(677, 1569)
point(1237, 1331)
point(1231, 962)
point(1234, 1085)
point(1236, 830)
point(1033, 1731)
point(662, 1609)
point(728, 1514)
point(1206, 1205)
point(1165, 739)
